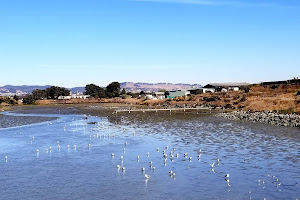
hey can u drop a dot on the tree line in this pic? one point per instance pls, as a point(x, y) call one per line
point(52, 92)
point(111, 90)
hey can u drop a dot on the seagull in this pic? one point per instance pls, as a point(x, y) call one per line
point(112, 154)
point(185, 154)
point(6, 158)
point(37, 151)
point(119, 167)
point(138, 157)
point(212, 166)
point(123, 168)
point(227, 176)
point(147, 176)
point(143, 169)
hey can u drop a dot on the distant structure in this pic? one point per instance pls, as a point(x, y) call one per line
point(209, 88)
point(223, 87)
point(177, 93)
point(74, 96)
point(294, 81)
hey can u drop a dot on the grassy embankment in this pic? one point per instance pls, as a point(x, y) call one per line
point(283, 98)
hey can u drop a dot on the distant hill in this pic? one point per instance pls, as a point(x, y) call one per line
point(10, 90)
point(153, 87)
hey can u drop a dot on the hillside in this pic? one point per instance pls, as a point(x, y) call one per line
point(10, 90)
point(154, 87)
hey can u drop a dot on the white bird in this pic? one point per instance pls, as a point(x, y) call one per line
point(212, 165)
point(123, 168)
point(150, 162)
point(138, 157)
point(227, 176)
point(121, 157)
point(190, 158)
point(119, 167)
point(143, 169)
point(37, 150)
point(147, 153)
point(112, 154)
point(147, 176)
point(185, 154)
point(89, 145)
point(5, 158)
point(74, 146)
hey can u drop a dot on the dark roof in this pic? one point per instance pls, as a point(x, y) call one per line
point(209, 86)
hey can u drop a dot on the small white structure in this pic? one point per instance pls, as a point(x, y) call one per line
point(159, 95)
point(74, 96)
point(206, 90)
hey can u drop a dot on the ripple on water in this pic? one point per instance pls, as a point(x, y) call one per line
point(248, 153)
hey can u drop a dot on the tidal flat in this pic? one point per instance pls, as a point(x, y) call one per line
point(87, 152)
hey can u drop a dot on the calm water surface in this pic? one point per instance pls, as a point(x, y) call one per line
point(262, 160)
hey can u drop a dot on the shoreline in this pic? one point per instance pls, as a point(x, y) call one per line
point(265, 117)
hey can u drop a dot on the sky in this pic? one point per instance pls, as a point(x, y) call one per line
point(72, 43)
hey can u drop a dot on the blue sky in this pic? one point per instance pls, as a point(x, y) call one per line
point(76, 42)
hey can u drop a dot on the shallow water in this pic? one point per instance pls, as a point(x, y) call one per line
point(262, 160)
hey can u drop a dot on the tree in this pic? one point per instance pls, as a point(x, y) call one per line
point(54, 92)
point(28, 99)
point(95, 91)
point(39, 94)
point(113, 89)
point(16, 97)
point(123, 91)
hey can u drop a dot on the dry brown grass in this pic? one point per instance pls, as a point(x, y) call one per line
point(259, 98)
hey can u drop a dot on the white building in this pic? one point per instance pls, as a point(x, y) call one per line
point(74, 96)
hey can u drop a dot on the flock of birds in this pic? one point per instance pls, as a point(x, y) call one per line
point(167, 153)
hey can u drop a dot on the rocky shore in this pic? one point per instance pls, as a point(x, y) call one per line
point(266, 117)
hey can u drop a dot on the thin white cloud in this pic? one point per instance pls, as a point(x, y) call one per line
point(218, 3)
